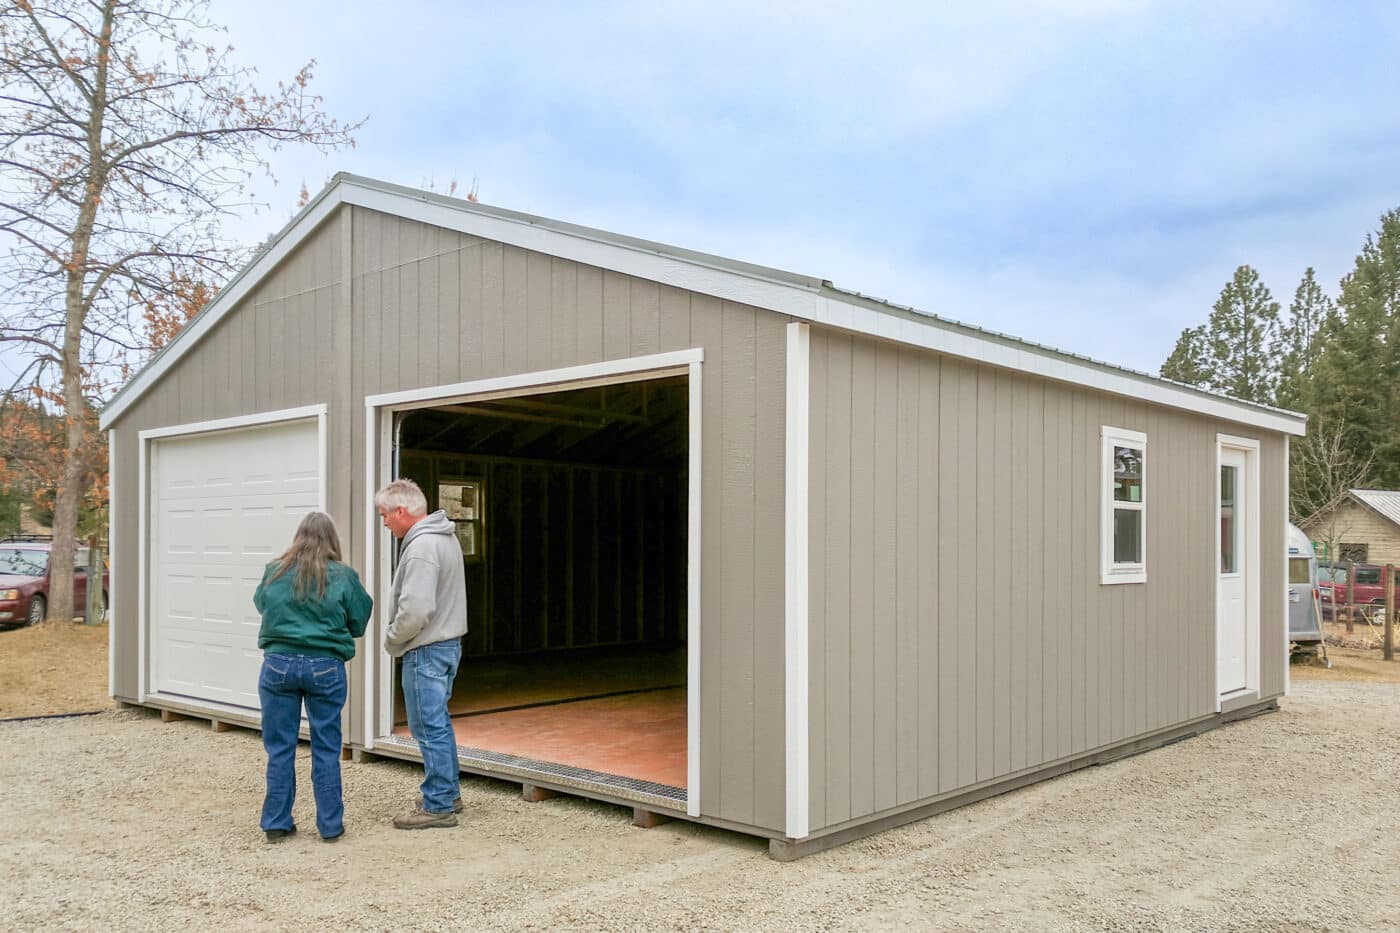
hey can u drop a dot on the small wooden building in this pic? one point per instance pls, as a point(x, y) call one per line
point(743, 547)
point(1364, 527)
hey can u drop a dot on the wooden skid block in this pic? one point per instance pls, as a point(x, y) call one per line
point(221, 726)
point(534, 794)
point(647, 819)
point(346, 753)
point(169, 715)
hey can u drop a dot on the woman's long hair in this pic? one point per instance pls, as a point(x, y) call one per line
point(314, 544)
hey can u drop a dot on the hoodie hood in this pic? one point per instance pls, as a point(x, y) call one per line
point(436, 523)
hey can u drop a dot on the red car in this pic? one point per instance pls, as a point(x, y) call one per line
point(24, 579)
point(1332, 586)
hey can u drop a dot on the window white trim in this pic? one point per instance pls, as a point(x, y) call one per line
point(1111, 571)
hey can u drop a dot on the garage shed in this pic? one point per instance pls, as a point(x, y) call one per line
point(743, 547)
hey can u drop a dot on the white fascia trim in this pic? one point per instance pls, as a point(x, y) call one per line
point(541, 381)
point(810, 305)
point(113, 578)
point(693, 578)
point(248, 421)
point(1109, 572)
point(223, 302)
point(796, 619)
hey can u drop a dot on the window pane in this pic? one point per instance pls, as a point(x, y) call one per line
point(1127, 474)
point(1298, 570)
point(1227, 519)
point(1127, 536)
point(1368, 576)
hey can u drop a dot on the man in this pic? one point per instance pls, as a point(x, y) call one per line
point(428, 617)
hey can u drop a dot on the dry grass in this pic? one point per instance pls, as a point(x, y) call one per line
point(1357, 665)
point(53, 668)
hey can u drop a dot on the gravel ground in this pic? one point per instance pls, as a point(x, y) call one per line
point(1283, 822)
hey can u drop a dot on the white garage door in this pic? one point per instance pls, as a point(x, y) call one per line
point(222, 506)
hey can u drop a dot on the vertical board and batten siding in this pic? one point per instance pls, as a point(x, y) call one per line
point(274, 351)
point(434, 307)
point(959, 633)
point(430, 306)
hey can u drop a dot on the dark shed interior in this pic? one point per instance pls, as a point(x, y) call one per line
point(572, 510)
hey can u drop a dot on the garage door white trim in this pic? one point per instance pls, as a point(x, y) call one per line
point(144, 440)
point(378, 447)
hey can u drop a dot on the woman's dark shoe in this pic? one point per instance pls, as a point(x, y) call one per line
point(277, 835)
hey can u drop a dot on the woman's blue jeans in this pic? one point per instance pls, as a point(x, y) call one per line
point(286, 682)
point(428, 672)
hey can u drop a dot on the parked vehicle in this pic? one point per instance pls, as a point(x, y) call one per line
point(25, 578)
point(1333, 584)
point(1304, 626)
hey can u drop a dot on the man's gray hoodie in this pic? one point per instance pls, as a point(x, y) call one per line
point(429, 601)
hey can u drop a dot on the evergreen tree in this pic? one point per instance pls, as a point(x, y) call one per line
point(1188, 360)
point(1358, 356)
point(1310, 309)
point(1237, 350)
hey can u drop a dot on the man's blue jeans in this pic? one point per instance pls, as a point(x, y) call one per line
point(287, 681)
point(428, 672)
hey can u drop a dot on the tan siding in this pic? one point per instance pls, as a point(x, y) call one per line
point(1358, 524)
point(986, 487)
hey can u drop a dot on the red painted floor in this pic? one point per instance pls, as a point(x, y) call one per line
point(617, 710)
point(636, 735)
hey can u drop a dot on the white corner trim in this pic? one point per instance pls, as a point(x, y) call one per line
point(1287, 654)
point(693, 579)
point(1109, 572)
point(796, 594)
point(281, 247)
point(144, 464)
point(544, 380)
point(112, 576)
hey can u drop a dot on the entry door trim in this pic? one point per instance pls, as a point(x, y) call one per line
point(144, 440)
point(379, 411)
point(1249, 447)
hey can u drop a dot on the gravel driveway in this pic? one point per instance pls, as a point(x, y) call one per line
point(1286, 821)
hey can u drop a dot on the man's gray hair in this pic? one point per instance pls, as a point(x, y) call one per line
point(402, 493)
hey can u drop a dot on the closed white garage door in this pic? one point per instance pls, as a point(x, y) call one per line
point(222, 506)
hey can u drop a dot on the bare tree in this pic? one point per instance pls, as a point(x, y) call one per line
point(1323, 472)
point(127, 134)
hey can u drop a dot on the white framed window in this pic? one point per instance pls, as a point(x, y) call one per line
point(1123, 527)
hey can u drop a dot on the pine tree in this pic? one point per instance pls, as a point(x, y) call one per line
point(1188, 360)
point(1310, 309)
point(1358, 356)
point(1237, 350)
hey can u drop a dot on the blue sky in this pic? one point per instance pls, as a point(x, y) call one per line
point(1082, 174)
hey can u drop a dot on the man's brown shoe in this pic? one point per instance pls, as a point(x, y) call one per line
point(422, 819)
point(456, 804)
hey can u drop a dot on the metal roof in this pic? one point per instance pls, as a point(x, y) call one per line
point(882, 318)
point(1384, 501)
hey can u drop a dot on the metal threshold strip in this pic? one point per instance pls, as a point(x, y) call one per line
point(662, 796)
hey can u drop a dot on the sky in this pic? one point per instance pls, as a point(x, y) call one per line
point(1085, 175)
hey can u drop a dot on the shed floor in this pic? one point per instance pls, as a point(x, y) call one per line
point(618, 712)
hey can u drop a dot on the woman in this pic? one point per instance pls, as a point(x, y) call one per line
point(313, 608)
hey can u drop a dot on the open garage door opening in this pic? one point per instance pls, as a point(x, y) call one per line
point(571, 508)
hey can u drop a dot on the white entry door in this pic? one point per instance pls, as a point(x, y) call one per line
point(222, 505)
point(1232, 590)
